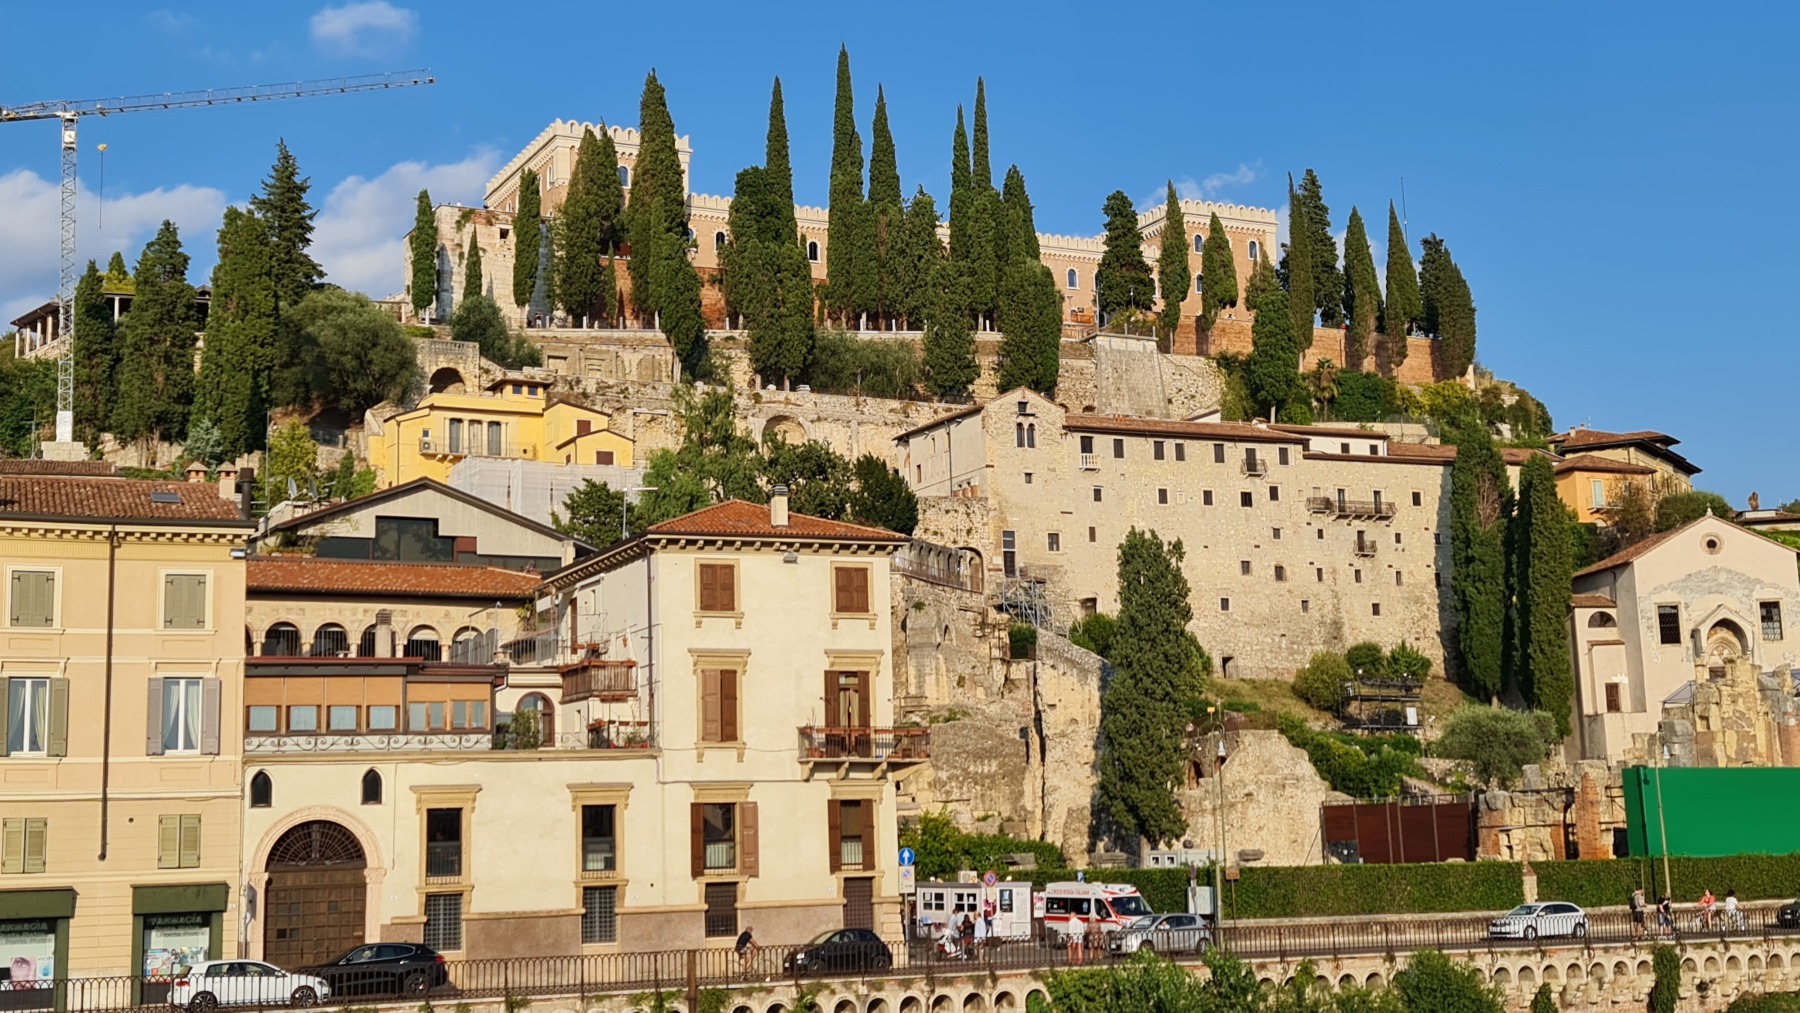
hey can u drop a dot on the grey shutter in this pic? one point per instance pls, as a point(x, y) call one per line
point(58, 744)
point(184, 601)
point(12, 846)
point(33, 598)
point(153, 742)
point(5, 709)
point(35, 844)
point(210, 690)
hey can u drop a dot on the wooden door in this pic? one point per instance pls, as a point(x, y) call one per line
point(312, 916)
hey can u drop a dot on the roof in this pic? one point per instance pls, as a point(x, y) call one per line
point(1633, 551)
point(739, 519)
point(64, 497)
point(1345, 431)
point(1519, 455)
point(430, 484)
point(1423, 451)
point(1590, 601)
point(1652, 442)
point(38, 466)
point(963, 413)
point(311, 575)
point(1594, 462)
point(1168, 427)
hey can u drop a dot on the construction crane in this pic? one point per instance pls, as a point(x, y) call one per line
point(69, 112)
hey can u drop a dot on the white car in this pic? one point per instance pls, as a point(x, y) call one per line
point(210, 984)
point(1532, 921)
point(1161, 934)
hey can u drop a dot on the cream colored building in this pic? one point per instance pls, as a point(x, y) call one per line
point(1675, 608)
point(123, 611)
point(1297, 539)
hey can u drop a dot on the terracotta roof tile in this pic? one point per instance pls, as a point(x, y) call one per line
point(85, 498)
point(1594, 462)
point(311, 575)
point(1134, 426)
point(1423, 451)
point(35, 466)
point(1349, 431)
point(1602, 438)
point(1590, 601)
point(974, 409)
point(736, 518)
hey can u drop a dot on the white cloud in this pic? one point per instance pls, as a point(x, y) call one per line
point(171, 22)
point(28, 231)
point(1207, 189)
point(364, 28)
point(359, 236)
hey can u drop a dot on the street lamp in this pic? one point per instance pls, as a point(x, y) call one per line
point(1215, 715)
point(625, 506)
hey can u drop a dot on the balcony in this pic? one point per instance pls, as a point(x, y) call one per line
point(598, 679)
point(848, 749)
point(1090, 462)
point(1254, 465)
point(543, 648)
point(443, 861)
point(371, 742)
point(1367, 509)
point(1364, 547)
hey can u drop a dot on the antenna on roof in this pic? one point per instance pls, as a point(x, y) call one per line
point(293, 490)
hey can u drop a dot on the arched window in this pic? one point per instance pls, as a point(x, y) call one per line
point(1255, 251)
point(812, 250)
point(1199, 243)
point(718, 240)
point(1018, 434)
point(540, 705)
point(1074, 279)
point(371, 788)
point(330, 641)
point(1197, 286)
point(281, 641)
point(624, 176)
point(262, 791)
point(365, 645)
point(422, 642)
point(1031, 435)
point(1601, 620)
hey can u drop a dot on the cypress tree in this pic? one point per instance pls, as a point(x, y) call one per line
point(1030, 318)
point(948, 364)
point(849, 232)
point(959, 191)
point(981, 171)
point(1218, 273)
point(1172, 271)
point(472, 281)
point(1271, 373)
point(424, 242)
point(1362, 291)
point(658, 205)
point(884, 168)
point(1299, 263)
point(118, 276)
point(1401, 308)
point(581, 232)
point(677, 287)
point(284, 209)
point(156, 374)
point(1159, 677)
point(766, 277)
point(1263, 277)
point(1448, 312)
point(1546, 563)
point(96, 355)
point(1123, 281)
point(1480, 502)
point(917, 261)
point(1022, 240)
point(779, 170)
point(240, 352)
point(528, 241)
point(1327, 280)
point(886, 210)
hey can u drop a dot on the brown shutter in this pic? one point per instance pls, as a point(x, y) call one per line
point(831, 699)
point(727, 588)
point(709, 588)
point(865, 685)
point(58, 744)
point(710, 727)
point(840, 576)
point(728, 706)
point(834, 832)
point(859, 589)
point(697, 839)
point(748, 862)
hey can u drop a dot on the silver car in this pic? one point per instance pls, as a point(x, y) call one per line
point(1161, 934)
point(1531, 921)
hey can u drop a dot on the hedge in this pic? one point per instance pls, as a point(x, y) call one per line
point(1598, 883)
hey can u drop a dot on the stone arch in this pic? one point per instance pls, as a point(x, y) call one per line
point(315, 892)
point(740, 1008)
point(330, 640)
point(1552, 977)
point(1597, 972)
point(878, 1005)
point(374, 871)
point(1712, 964)
point(1725, 640)
point(1266, 982)
point(1689, 967)
point(1574, 973)
point(1754, 963)
point(1775, 962)
point(1346, 981)
point(1733, 965)
point(844, 1006)
point(943, 1003)
point(1527, 977)
point(1621, 970)
point(281, 640)
point(446, 380)
point(1601, 620)
point(1374, 980)
point(1501, 977)
point(974, 1002)
point(911, 1004)
point(777, 1007)
point(788, 427)
point(1004, 1001)
point(1645, 969)
point(1037, 993)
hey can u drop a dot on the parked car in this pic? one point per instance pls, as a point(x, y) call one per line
point(385, 969)
point(1531, 921)
point(210, 984)
point(1789, 916)
point(1161, 934)
point(840, 951)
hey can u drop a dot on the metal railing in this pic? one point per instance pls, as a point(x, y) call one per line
point(894, 744)
point(1255, 465)
point(1364, 547)
point(541, 648)
point(443, 861)
point(1371, 508)
point(369, 742)
point(604, 680)
point(621, 735)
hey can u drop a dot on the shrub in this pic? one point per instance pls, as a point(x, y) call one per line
point(1544, 1001)
point(1667, 989)
point(1321, 682)
point(1367, 660)
point(1435, 983)
point(1362, 768)
point(1406, 662)
point(1766, 1003)
point(943, 849)
point(1095, 633)
point(1609, 881)
point(1021, 640)
point(1498, 742)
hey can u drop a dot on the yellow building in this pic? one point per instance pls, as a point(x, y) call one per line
point(120, 759)
point(1590, 484)
point(515, 418)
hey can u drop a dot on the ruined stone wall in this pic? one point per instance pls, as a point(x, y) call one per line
point(1272, 800)
point(1555, 807)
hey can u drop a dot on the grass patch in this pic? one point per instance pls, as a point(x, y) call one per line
point(1268, 695)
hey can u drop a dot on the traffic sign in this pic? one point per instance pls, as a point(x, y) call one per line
point(907, 856)
point(990, 879)
point(907, 883)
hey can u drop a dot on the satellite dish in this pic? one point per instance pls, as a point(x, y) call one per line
point(293, 490)
point(312, 488)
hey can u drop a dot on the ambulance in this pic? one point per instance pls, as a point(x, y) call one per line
point(1102, 907)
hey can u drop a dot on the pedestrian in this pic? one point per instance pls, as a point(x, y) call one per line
point(1733, 917)
point(1637, 913)
point(1665, 916)
point(1707, 901)
point(1077, 935)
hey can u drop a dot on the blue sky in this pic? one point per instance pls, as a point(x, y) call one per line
point(1609, 176)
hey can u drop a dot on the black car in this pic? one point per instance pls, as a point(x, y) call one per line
point(1789, 916)
point(841, 951)
point(385, 969)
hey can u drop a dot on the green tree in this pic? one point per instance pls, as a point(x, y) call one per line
point(118, 276)
point(1096, 633)
point(845, 364)
point(96, 355)
point(1218, 273)
point(1327, 280)
point(156, 371)
point(356, 355)
point(593, 512)
point(1159, 677)
point(678, 311)
point(1322, 384)
point(887, 211)
point(1433, 983)
point(960, 192)
point(767, 279)
point(948, 365)
point(1498, 742)
point(477, 320)
point(241, 351)
point(1298, 264)
point(1263, 277)
point(1362, 291)
point(203, 443)
point(1448, 309)
point(914, 263)
point(1678, 508)
point(1271, 377)
point(1030, 319)
point(424, 244)
point(528, 241)
point(981, 168)
point(1543, 1000)
point(1172, 272)
point(1480, 508)
point(30, 402)
point(1401, 309)
point(1666, 966)
point(350, 482)
point(657, 210)
point(714, 462)
point(1367, 659)
point(1123, 281)
point(1321, 683)
point(817, 478)
point(849, 230)
point(283, 207)
point(1019, 240)
point(881, 496)
point(589, 228)
point(293, 457)
point(473, 284)
point(1407, 662)
point(1546, 564)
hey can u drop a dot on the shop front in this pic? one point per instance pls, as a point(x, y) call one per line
point(174, 927)
point(34, 947)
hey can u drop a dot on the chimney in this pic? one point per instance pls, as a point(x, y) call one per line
point(228, 481)
point(384, 634)
point(778, 515)
point(196, 472)
point(246, 488)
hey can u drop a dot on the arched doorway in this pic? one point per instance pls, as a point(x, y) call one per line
point(446, 380)
point(315, 902)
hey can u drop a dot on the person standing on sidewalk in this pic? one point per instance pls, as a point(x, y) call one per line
point(1637, 913)
point(1077, 936)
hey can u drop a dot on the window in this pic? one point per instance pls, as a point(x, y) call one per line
point(330, 641)
point(342, 718)
point(1009, 556)
point(1280, 574)
point(178, 842)
point(1199, 242)
point(1358, 574)
point(371, 787)
point(1668, 623)
point(1028, 478)
point(1074, 281)
point(718, 240)
point(1022, 407)
point(600, 914)
point(1087, 444)
point(850, 590)
point(1097, 494)
point(1246, 499)
point(1418, 500)
point(1275, 533)
point(1375, 608)
point(1244, 567)
point(496, 441)
point(384, 718)
point(1281, 455)
point(599, 842)
point(1162, 497)
point(721, 910)
point(1018, 434)
point(1274, 494)
point(1398, 581)
point(33, 598)
point(263, 719)
point(1053, 541)
point(1206, 497)
point(472, 714)
point(812, 250)
point(1374, 450)
point(1771, 619)
point(180, 715)
point(718, 587)
point(1343, 448)
point(443, 844)
point(718, 828)
point(443, 911)
point(1319, 574)
point(1614, 703)
point(1199, 280)
point(302, 718)
point(1093, 536)
point(1157, 449)
point(262, 790)
point(1305, 606)
point(1321, 534)
point(848, 825)
point(1180, 451)
point(718, 705)
point(604, 457)
point(1218, 453)
point(625, 176)
point(23, 843)
point(1255, 251)
point(1597, 493)
point(1118, 448)
point(1031, 435)
point(423, 643)
point(36, 722)
point(1396, 538)
point(1224, 604)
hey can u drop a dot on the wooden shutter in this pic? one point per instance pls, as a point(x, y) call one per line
point(153, 741)
point(865, 686)
point(727, 588)
point(709, 588)
point(710, 727)
point(748, 862)
point(832, 689)
point(58, 744)
point(859, 589)
point(697, 842)
point(210, 691)
point(5, 706)
point(33, 598)
point(12, 846)
point(728, 707)
point(184, 601)
point(840, 599)
point(834, 832)
point(190, 842)
point(168, 842)
point(36, 834)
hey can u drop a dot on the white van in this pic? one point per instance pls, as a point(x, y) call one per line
point(1103, 907)
point(1008, 905)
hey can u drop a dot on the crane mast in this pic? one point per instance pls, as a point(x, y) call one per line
point(69, 112)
